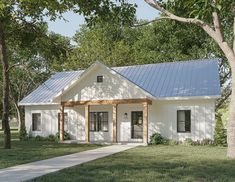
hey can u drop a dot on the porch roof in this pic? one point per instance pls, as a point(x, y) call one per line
point(194, 78)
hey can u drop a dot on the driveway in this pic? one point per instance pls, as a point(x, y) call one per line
point(39, 168)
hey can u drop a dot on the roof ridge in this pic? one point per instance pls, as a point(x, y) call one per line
point(172, 62)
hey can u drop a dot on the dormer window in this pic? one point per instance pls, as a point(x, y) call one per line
point(100, 79)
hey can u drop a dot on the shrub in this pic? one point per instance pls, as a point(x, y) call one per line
point(38, 138)
point(196, 143)
point(66, 136)
point(220, 135)
point(207, 141)
point(52, 138)
point(23, 134)
point(157, 138)
point(173, 142)
point(188, 141)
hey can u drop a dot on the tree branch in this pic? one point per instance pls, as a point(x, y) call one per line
point(151, 21)
point(217, 26)
point(172, 16)
point(228, 51)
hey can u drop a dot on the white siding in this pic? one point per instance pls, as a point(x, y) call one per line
point(112, 87)
point(100, 135)
point(163, 118)
point(124, 124)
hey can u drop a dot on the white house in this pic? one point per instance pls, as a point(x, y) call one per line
point(127, 104)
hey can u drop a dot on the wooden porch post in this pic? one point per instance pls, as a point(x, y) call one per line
point(61, 123)
point(145, 123)
point(114, 123)
point(87, 133)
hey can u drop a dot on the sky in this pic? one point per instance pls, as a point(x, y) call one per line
point(69, 27)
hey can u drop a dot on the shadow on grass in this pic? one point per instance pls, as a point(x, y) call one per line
point(29, 151)
point(154, 164)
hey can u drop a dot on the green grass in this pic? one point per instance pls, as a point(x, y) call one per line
point(154, 163)
point(14, 135)
point(29, 151)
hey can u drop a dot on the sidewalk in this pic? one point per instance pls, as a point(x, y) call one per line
point(39, 168)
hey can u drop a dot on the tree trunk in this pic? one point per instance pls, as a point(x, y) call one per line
point(20, 117)
point(231, 120)
point(6, 84)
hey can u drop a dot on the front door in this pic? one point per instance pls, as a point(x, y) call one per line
point(137, 124)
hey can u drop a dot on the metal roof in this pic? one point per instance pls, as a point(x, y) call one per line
point(50, 88)
point(164, 80)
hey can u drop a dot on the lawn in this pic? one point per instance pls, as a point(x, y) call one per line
point(154, 163)
point(28, 151)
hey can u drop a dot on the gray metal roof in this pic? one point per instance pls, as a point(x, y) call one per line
point(49, 89)
point(174, 79)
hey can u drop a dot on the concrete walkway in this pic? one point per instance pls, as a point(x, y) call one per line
point(39, 168)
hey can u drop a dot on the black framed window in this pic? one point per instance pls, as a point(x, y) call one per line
point(100, 79)
point(98, 121)
point(65, 121)
point(36, 121)
point(183, 121)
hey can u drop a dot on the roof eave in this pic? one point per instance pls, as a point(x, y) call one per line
point(37, 104)
point(189, 97)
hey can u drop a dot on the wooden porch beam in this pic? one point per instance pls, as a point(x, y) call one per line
point(106, 102)
point(87, 133)
point(62, 123)
point(114, 123)
point(145, 123)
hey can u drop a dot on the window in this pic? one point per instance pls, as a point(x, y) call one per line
point(99, 79)
point(65, 121)
point(36, 121)
point(98, 121)
point(183, 121)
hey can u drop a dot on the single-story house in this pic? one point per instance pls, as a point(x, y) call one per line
point(127, 104)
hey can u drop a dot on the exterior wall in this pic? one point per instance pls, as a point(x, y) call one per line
point(124, 124)
point(163, 118)
point(112, 87)
point(101, 135)
point(49, 120)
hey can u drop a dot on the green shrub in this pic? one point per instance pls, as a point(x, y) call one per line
point(188, 141)
point(38, 138)
point(220, 134)
point(66, 136)
point(23, 134)
point(52, 138)
point(157, 138)
point(173, 142)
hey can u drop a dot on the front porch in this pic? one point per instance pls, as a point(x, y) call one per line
point(117, 106)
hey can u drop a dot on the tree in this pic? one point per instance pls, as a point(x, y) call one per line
point(217, 19)
point(31, 62)
point(220, 134)
point(119, 46)
point(20, 15)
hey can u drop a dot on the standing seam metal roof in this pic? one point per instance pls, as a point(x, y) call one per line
point(174, 79)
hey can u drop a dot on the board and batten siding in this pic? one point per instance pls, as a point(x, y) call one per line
point(112, 87)
point(163, 118)
point(49, 120)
